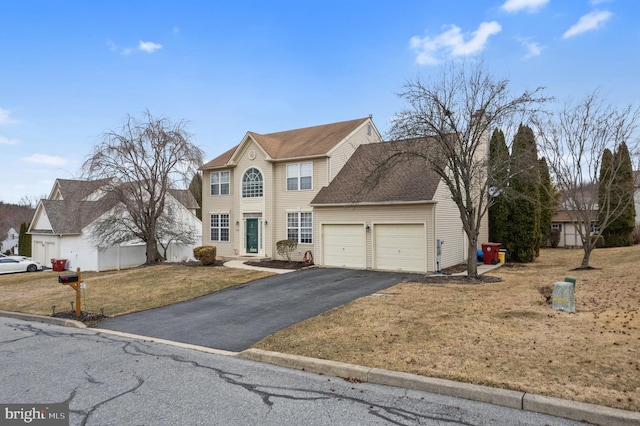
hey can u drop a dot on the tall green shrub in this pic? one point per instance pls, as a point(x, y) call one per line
point(524, 215)
point(499, 173)
point(24, 241)
point(616, 189)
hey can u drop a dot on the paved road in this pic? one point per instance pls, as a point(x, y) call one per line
point(237, 318)
point(111, 380)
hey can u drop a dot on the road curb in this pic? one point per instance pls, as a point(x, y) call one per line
point(45, 319)
point(579, 411)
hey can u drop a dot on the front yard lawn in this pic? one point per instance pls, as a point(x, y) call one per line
point(498, 334)
point(119, 292)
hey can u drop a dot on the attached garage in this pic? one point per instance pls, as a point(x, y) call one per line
point(344, 245)
point(400, 247)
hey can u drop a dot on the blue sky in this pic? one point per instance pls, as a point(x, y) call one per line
point(71, 70)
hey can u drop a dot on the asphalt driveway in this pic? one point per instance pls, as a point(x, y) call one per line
point(238, 317)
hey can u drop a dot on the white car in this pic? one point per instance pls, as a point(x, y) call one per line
point(13, 256)
point(10, 264)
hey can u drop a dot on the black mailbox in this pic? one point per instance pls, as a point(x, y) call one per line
point(68, 278)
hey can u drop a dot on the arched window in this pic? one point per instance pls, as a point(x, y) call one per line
point(252, 183)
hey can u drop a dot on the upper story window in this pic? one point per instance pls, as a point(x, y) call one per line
point(252, 183)
point(299, 176)
point(219, 183)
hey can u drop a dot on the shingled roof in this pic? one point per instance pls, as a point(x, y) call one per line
point(406, 179)
point(79, 189)
point(71, 214)
point(308, 141)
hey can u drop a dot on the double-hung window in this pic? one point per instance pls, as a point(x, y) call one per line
point(300, 227)
point(220, 227)
point(299, 176)
point(220, 183)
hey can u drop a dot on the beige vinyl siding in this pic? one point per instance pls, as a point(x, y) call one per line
point(449, 228)
point(259, 205)
point(294, 201)
point(377, 215)
point(339, 155)
point(218, 204)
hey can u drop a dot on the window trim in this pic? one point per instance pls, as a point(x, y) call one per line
point(299, 228)
point(298, 178)
point(219, 227)
point(220, 183)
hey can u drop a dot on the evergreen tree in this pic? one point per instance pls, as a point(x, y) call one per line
point(619, 192)
point(24, 241)
point(548, 201)
point(499, 209)
point(524, 214)
point(195, 187)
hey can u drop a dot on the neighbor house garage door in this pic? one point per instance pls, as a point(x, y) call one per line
point(344, 246)
point(400, 247)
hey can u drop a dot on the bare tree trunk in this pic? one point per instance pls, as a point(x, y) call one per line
point(153, 256)
point(472, 260)
point(585, 258)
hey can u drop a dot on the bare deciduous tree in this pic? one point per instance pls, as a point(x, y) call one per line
point(458, 111)
point(143, 160)
point(573, 141)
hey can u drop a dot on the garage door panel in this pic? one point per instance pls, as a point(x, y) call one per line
point(400, 247)
point(344, 246)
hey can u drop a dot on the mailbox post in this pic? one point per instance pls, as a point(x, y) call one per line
point(74, 281)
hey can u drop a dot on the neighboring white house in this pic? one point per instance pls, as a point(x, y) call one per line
point(61, 227)
point(311, 185)
point(11, 243)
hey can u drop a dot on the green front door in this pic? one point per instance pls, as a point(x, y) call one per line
point(251, 235)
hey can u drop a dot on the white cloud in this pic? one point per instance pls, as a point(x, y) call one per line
point(452, 42)
point(49, 160)
point(514, 6)
point(589, 22)
point(533, 48)
point(6, 141)
point(149, 46)
point(5, 117)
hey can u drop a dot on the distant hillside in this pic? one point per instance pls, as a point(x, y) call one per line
point(12, 216)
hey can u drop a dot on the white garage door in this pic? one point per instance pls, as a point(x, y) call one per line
point(400, 247)
point(344, 246)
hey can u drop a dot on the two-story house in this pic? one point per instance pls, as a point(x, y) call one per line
point(314, 185)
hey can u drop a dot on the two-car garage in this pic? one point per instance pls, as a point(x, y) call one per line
point(380, 246)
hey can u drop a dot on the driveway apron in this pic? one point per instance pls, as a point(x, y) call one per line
point(238, 317)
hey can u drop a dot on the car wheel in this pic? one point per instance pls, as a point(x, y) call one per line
point(32, 268)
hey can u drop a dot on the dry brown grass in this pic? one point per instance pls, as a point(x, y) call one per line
point(118, 292)
point(499, 334)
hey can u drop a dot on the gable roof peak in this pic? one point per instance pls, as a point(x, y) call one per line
point(296, 143)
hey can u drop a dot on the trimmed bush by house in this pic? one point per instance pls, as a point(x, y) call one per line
point(205, 254)
point(286, 247)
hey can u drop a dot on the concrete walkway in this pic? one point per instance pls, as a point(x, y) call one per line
point(239, 264)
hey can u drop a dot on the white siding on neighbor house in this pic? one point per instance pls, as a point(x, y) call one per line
point(569, 236)
point(120, 257)
point(378, 215)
